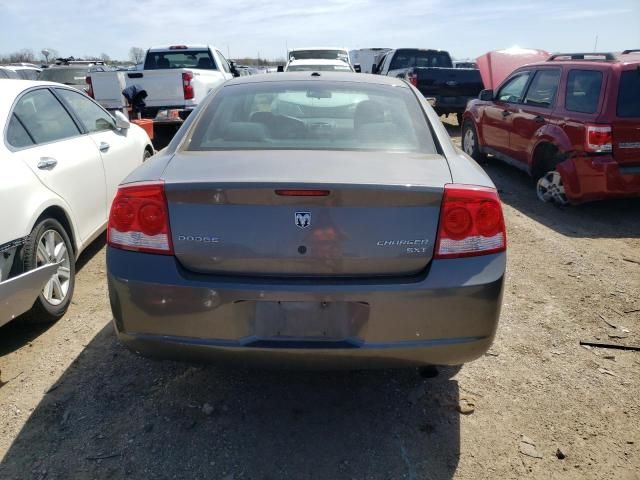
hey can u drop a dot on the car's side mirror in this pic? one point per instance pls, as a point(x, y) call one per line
point(280, 68)
point(122, 122)
point(486, 95)
point(374, 68)
point(357, 68)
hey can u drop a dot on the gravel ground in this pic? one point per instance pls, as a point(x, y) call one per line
point(78, 405)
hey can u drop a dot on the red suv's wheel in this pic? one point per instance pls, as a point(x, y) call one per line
point(470, 141)
point(551, 189)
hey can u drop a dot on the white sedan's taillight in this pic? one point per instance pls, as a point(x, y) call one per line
point(471, 222)
point(139, 219)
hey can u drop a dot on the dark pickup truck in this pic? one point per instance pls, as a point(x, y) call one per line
point(432, 72)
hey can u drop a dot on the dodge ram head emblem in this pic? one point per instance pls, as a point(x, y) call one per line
point(303, 219)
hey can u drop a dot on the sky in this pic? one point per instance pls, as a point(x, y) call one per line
point(244, 28)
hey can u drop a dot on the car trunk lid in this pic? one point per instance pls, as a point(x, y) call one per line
point(350, 214)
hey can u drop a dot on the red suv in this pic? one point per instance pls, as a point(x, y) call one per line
point(572, 122)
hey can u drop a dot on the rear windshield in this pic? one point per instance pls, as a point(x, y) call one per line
point(319, 68)
point(629, 94)
point(327, 54)
point(66, 75)
point(309, 115)
point(419, 58)
point(179, 59)
point(583, 91)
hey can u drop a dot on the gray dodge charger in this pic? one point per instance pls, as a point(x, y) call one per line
point(309, 219)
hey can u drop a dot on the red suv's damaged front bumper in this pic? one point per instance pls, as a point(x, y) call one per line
point(588, 178)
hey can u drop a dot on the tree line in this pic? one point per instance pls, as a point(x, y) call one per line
point(136, 55)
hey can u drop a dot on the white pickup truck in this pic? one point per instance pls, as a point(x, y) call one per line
point(176, 77)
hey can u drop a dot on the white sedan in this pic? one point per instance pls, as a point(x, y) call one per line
point(62, 158)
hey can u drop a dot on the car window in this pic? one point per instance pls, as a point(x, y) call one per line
point(92, 117)
point(5, 73)
point(514, 88)
point(319, 68)
point(304, 115)
point(583, 91)
point(419, 58)
point(27, 74)
point(44, 117)
point(65, 75)
point(543, 88)
point(629, 94)
point(225, 63)
point(201, 59)
point(17, 136)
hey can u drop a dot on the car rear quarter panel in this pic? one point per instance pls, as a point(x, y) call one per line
point(26, 197)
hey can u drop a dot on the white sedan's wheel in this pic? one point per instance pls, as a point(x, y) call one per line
point(52, 249)
point(49, 243)
point(551, 189)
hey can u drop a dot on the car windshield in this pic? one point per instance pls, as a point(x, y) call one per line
point(200, 59)
point(65, 75)
point(629, 94)
point(312, 115)
point(318, 68)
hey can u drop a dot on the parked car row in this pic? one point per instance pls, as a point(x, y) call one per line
point(313, 170)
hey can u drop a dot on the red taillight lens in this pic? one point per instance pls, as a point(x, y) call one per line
point(90, 88)
point(139, 219)
point(471, 222)
point(412, 78)
point(186, 85)
point(599, 138)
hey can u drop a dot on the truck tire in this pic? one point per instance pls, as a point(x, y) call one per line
point(49, 242)
point(470, 141)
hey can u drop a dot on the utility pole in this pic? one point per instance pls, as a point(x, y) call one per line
point(228, 54)
point(595, 46)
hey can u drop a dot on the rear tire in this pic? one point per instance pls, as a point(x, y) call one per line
point(549, 185)
point(470, 141)
point(550, 189)
point(49, 242)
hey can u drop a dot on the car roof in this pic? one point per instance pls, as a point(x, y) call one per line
point(70, 65)
point(619, 60)
point(21, 67)
point(13, 87)
point(317, 61)
point(317, 48)
point(163, 48)
point(320, 77)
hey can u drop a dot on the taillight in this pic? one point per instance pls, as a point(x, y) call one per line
point(139, 219)
point(412, 78)
point(187, 88)
point(471, 222)
point(90, 89)
point(599, 138)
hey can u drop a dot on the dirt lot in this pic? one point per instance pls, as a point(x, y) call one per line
point(78, 405)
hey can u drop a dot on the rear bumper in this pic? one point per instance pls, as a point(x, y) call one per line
point(597, 178)
point(18, 294)
point(446, 316)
